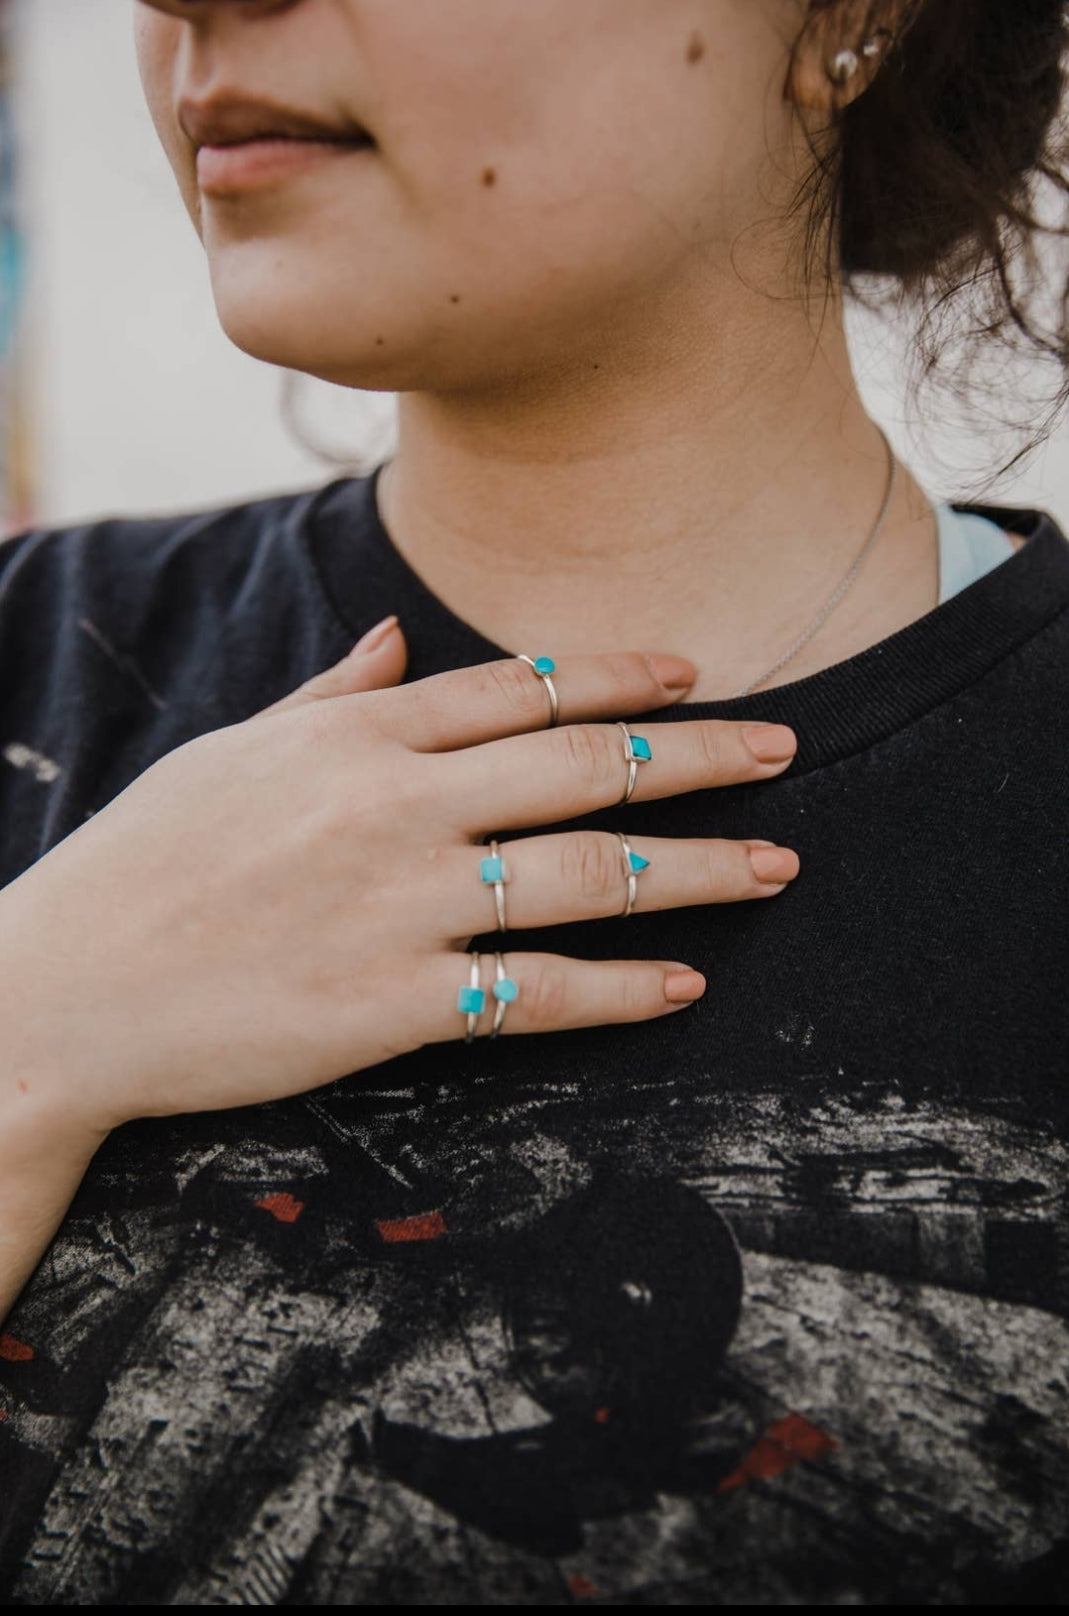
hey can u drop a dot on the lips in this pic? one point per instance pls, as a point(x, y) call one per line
point(242, 142)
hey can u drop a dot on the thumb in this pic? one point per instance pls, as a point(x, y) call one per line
point(376, 661)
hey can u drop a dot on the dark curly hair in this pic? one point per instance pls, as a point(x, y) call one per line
point(947, 180)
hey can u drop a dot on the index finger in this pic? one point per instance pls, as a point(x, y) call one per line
point(451, 710)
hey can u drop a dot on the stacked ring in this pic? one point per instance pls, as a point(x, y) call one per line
point(634, 863)
point(493, 873)
point(471, 999)
point(636, 750)
point(545, 667)
point(505, 991)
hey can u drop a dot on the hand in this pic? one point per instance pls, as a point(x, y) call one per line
point(286, 900)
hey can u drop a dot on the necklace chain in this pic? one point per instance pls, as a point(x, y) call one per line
point(834, 599)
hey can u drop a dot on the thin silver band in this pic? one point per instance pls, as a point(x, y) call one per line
point(473, 1015)
point(551, 690)
point(631, 761)
point(632, 878)
point(501, 1005)
point(499, 887)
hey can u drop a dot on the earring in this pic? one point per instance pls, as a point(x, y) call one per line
point(844, 66)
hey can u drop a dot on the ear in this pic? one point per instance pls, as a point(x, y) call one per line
point(841, 48)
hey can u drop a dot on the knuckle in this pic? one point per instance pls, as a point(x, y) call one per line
point(589, 752)
point(631, 671)
point(636, 1000)
point(545, 995)
point(711, 748)
point(712, 866)
point(591, 867)
point(517, 684)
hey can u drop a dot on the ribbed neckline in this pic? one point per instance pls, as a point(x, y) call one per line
point(840, 710)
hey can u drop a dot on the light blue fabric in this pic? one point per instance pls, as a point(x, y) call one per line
point(969, 546)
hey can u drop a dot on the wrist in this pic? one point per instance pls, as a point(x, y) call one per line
point(45, 1091)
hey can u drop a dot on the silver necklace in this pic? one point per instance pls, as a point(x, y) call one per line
point(833, 601)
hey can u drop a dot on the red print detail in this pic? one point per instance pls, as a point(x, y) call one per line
point(602, 1415)
point(3, 1413)
point(283, 1207)
point(15, 1351)
point(582, 1587)
point(424, 1226)
point(787, 1443)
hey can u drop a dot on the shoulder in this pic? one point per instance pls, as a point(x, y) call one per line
point(124, 563)
point(121, 638)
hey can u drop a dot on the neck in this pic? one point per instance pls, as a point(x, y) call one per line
point(703, 494)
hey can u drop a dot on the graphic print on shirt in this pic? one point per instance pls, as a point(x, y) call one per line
point(673, 1343)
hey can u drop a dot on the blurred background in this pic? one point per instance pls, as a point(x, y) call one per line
point(118, 391)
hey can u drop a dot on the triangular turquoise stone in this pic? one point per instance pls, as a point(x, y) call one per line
point(637, 862)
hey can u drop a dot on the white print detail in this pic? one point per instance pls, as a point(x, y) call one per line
point(20, 756)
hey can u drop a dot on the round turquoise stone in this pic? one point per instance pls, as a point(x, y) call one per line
point(507, 990)
point(545, 664)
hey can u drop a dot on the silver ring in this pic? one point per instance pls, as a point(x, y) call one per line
point(636, 750)
point(493, 872)
point(471, 999)
point(633, 864)
point(505, 991)
point(545, 667)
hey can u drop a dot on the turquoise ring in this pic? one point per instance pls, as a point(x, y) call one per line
point(471, 1000)
point(545, 667)
point(505, 991)
point(634, 863)
point(493, 872)
point(636, 750)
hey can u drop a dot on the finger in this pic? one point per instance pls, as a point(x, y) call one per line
point(583, 875)
point(375, 661)
point(471, 705)
point(556, 993)
point(537, 779)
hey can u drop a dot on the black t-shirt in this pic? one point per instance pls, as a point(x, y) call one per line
point(761, 1304)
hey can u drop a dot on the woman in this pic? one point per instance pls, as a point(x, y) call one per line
point(319, 1291)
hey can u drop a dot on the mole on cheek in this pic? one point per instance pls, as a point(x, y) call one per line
point(378, 342)
point(489, 176)
point(454, 297)
point(695, 48)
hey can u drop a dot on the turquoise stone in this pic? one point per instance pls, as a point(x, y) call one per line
point(637, 862)
point(506, 990)
point(491, 870)
point(545, 664)
point(471, 1001)
point(640, 746)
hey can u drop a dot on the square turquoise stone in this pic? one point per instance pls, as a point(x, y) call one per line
point(545, 664)
point(640, 746)
point(507, 990)
point(491, 870)
point(471, 1001)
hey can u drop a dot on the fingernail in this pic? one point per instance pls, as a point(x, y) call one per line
point(773, 863)
point(375, 636)
point(770, 743)
point(673, 672)
point(683, 986)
